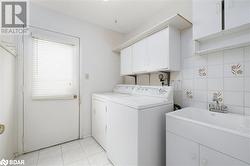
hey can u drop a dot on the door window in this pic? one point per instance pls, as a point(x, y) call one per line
point(52, 75)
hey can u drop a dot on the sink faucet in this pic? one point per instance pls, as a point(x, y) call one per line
point(216, 106)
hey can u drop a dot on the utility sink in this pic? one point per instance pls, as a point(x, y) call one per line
point(225, 132)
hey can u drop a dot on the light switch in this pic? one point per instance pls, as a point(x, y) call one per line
point(86, 76)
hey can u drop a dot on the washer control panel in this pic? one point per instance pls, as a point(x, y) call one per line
point(154, 91)
point(122, 88)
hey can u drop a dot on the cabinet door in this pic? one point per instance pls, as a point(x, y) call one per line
point(140, 58)
point(126, 61)
point(209, 157)
point(158, 50)
point(207, 17)
point(99, 122)
point(237, 12)
point(180, 151)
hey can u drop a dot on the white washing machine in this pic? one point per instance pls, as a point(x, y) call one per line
point(136, 126)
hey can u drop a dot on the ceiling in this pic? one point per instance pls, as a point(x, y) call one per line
point(119, 15)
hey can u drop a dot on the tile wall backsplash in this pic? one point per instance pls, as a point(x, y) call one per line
point(226, 73)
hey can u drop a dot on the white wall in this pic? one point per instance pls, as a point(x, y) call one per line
point(97, 58)
point(8, 114)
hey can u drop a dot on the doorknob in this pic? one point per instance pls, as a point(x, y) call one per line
point(2, 128)
point(75, 96)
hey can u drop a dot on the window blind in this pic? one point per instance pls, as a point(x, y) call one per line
point(53, 72)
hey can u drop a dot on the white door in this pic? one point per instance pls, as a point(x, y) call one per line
point(51, 89)
point(237, 12)
point(158, 50)
point(207, 17)
point(126, 61)
point(139, 55)
point(180, 151)
point(99, 122)
point(209, 157)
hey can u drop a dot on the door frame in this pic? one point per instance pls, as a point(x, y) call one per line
point(20, 85)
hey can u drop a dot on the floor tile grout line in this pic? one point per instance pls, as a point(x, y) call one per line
point(88, 156)
point(38, 155)
point(86, 159)
point(62, 155)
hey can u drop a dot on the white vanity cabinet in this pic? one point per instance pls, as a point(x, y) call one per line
point(207, 17)
point(237, 13)
point(209, 157)
point(126, 61)
point(99, 121)
point(180, 151)
point(205, 138)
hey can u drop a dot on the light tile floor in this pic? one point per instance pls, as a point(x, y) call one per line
point(84, 152)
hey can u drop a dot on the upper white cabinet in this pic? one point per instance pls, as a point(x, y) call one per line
point(158, 52)
point(164, 50)
point(207, 17)
point(155, 49)
point(126, 61)
point(237, 13)
point(139, 56)
point(220, 25)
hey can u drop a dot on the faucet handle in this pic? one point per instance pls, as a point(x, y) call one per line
point(215, 97)
point(224, 108)
point(211, 106)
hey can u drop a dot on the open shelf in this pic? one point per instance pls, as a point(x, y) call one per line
point(226, 39)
